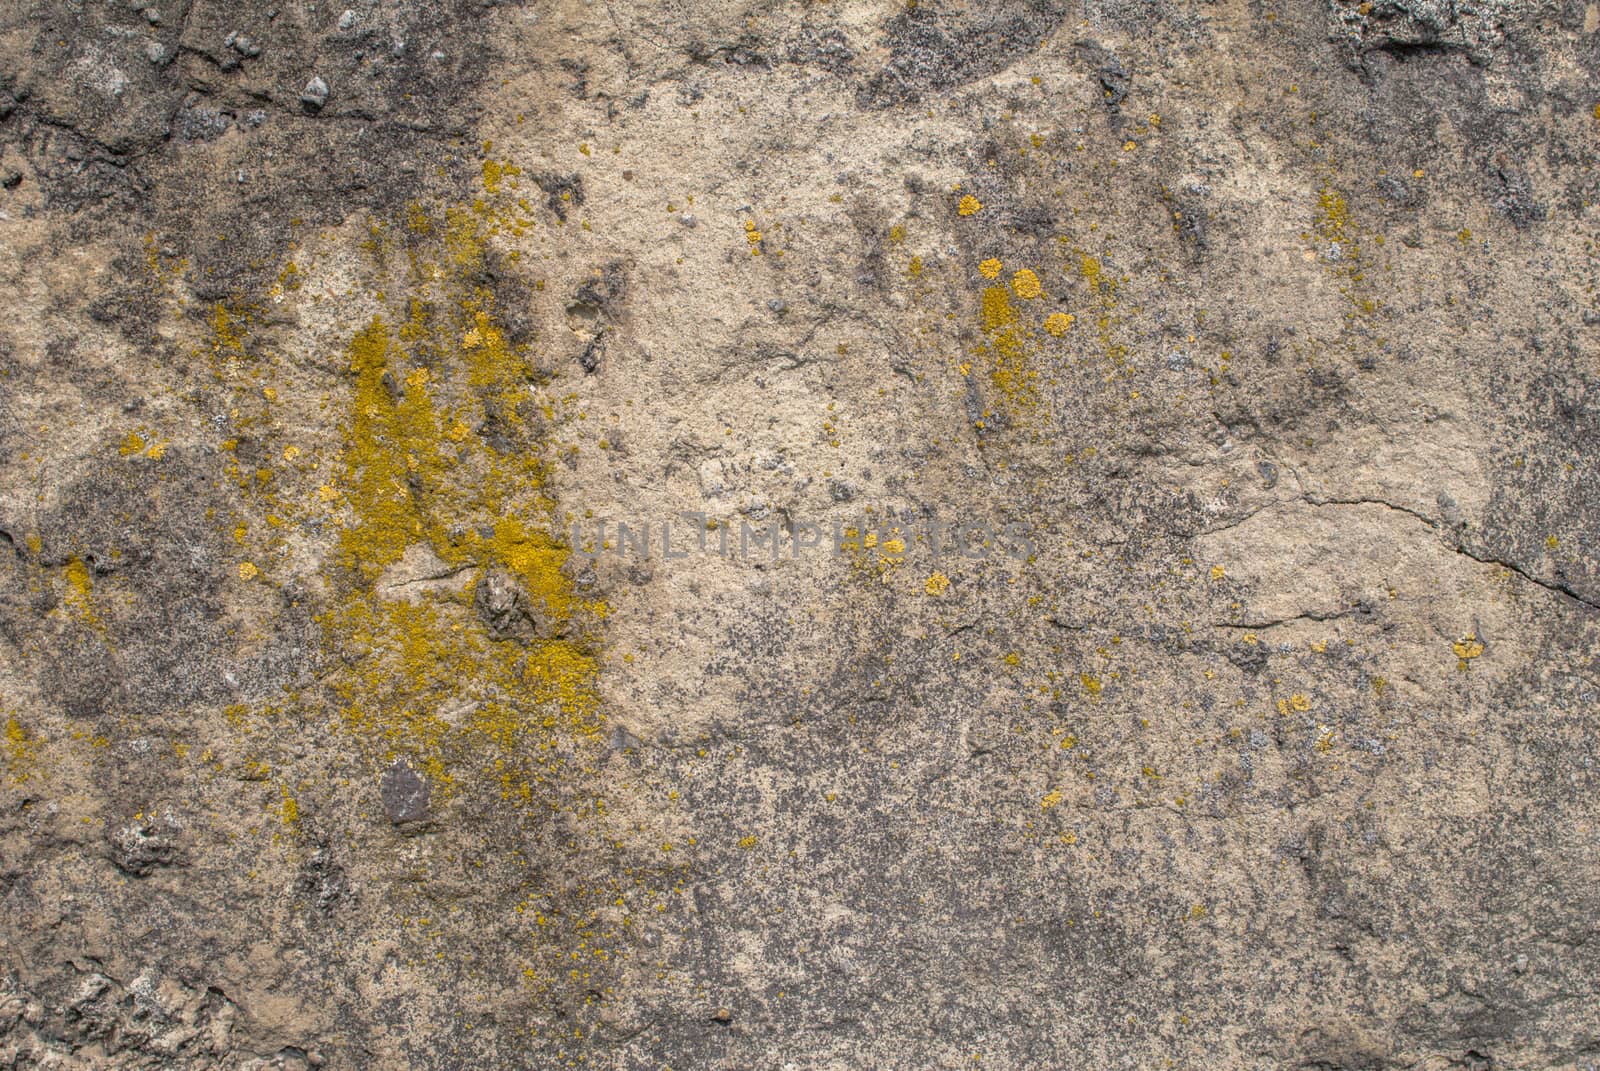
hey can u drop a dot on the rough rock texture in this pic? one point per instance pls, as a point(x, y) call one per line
point(1251, 724)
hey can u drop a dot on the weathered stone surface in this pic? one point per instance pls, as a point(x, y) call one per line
point(1007, 534)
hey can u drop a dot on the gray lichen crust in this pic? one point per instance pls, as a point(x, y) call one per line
point(1010, 534)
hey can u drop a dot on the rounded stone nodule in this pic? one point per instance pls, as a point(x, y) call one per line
point(315, 94)
point(405, 793)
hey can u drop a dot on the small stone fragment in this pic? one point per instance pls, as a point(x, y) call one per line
point(147, 842)
point(315, 94)
point(405, 794)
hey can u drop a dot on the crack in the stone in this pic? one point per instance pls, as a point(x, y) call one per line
point(1261, 626)
point(1557, 586)
point(1459, 547)
point(1456, 546)
point(446, 575)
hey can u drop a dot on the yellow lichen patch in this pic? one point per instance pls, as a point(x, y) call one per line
point(1333, 222)
point(423, 480)
point(1011, 368)
point(937, 584)
point(21, 751)
point(879, 553)
point(563, 674)
point(386, 441)
point(159, 274)
point(969, 205)
point(536, 560)
point(996, 311)
point(1298, 703)
point(1059, 323)
point(1027, 284)
point(435, 682)
point(133, 444)
point(490, 358)
point(79, 584)
point(436, 486)
point(496, 173)
point(1339, 244)
point(227, 331)
point(248, 571)
point(464, 240)
point(891, 549)
point(989, 269)
point(417, 219)
point(288, 809)
point(1051, 800)
point(1467, 648)
point(1091, 683)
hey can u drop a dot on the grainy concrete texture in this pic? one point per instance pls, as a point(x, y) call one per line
point(1251, 722)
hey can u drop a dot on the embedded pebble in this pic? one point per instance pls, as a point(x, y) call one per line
point(315, 94)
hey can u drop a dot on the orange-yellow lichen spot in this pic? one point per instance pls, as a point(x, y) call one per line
point(1026, 284)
